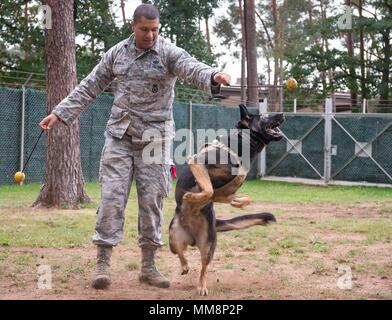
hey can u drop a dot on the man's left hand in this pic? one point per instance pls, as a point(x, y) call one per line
point(222, 78)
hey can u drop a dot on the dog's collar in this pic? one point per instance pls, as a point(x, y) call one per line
point(242, 170)
point(250, 138)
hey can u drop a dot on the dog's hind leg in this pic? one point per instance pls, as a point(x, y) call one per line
point(206, 245)
point(179, 239)
point(202, 288)
point(183, 261)
point(202, 178)
point(205, 260)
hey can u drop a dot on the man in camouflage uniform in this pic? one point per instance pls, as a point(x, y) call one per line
point(146, 67)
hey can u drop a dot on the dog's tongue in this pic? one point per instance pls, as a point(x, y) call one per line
point(272, 130)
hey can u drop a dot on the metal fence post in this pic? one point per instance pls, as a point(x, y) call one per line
point(364, 106)
point(22, 124)
point(327, 139)
point(262, 159)
point(295, 105)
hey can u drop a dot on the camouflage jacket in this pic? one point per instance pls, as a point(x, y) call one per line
point(145, 92)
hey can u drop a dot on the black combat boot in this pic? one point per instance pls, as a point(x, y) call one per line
point(102, 278)
point(149, 273)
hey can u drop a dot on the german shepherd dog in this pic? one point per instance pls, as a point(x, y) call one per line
point(202, 183)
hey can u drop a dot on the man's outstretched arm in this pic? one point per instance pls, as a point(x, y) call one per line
point(183, 65)
point(83, 94)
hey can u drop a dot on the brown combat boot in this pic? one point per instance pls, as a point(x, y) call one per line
point(102, 278)
point(149, 273)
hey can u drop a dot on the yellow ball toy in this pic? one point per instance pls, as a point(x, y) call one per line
point(19, 177)
point(291, 84)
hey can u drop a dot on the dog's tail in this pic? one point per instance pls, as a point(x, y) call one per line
point(244, 221)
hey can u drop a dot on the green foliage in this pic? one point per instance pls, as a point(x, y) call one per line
point(96, 31)
point(95, 24)
point(311, 62)
point(21, 39)
point(180, 22)
point(228, 28)
point(312, 43)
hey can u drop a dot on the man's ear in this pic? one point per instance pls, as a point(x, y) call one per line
point(244, 112)
point(132, 25)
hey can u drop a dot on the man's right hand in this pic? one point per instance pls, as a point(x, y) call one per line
point(48, 122)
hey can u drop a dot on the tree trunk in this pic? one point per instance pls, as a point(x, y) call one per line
point(123, 12)
point(271, 46)
point(26, 48)
point(282, 30)
point(106, 19)
point(243, 53)
point(63, 181)
point(350, 51)
point(274, 95)
point(324, 47)
point(208, 34)
point(384, 88)
point(250, 27)
point(362, 54)
point(269, 70)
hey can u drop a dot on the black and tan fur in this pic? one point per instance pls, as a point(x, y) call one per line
point(203, 183)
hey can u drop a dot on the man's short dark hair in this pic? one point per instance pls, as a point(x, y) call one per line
point(145, 10)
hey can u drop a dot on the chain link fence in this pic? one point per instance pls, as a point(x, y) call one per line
point(360, 148)
point(360, 143)
point(301, 153)
point(363, 147)
point(10, 124)
point(92, 126)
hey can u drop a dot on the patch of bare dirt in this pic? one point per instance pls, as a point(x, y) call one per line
point(307, 272)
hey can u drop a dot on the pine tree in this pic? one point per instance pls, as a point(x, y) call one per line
point(63, 182)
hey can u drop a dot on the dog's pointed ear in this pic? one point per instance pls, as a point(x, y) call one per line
point(244, 112)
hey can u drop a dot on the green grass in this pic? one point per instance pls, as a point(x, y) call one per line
point(259, 191)
point(319, 246)
point(273, 192)
point(17, 196)
point(304, 242)
point(22, 226)
point(275, 251)
point(319, 266)
point(375, 229)
point(133, 265)
point(37, 230)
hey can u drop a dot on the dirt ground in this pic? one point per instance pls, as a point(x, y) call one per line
point(300, 257)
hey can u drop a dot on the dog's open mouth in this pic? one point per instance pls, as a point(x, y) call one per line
point(273, 130)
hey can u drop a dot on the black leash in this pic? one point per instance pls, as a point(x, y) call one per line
point(39, 137)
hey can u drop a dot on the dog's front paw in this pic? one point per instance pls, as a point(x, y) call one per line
point(197, 197)
point(240, 202)
point(188, 196)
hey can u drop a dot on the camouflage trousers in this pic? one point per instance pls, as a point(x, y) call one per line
point(121, 163)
